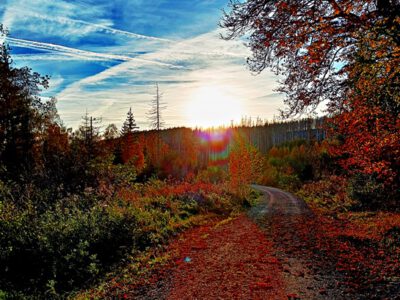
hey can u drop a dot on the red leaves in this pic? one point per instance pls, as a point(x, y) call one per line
point(232, 265)
point(263, 285)
point(293, 297)
point(370, 143)
point(272, 260)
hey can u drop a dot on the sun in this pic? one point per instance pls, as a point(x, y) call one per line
point(212, 106)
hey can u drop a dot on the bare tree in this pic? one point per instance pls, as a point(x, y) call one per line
point(155, 118)
point(155, 113)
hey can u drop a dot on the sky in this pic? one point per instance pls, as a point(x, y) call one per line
point(105, 56)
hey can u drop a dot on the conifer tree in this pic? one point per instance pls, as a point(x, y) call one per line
point(89, 133)
point(129, 126)
point(130, 147)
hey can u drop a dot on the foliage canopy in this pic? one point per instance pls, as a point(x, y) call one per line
point(324, 49)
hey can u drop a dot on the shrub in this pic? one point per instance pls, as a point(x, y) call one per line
point(63, 245)
point(391, 240)
point(329, 194)
point(372, 192)
point(289, 182)
point(62, 248)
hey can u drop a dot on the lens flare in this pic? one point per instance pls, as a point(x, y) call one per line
point(216, 142)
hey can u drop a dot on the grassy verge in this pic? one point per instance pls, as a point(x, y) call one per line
point(143, 268)
point(79, 242)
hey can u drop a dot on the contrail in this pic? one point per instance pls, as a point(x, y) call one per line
point(54, 57)
point(98, 27)
point(82, 53)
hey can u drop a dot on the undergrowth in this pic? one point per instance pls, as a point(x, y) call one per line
point(72, 244)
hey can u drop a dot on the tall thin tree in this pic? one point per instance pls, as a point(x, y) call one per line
point(155, 113)
point(155, 118)
point(89, 132)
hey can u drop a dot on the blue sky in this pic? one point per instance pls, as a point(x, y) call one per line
point(105, 56)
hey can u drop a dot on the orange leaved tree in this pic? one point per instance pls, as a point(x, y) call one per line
point(245, 165)
point(344, 53)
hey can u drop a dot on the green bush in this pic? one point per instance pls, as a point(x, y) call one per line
point(371, 192)
point(329, 194)
point(79, 238)
point(63, 248)
point(289, 182)
point(51, 248)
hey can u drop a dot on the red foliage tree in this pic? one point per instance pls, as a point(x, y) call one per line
point(346, 53)
point(132, 151)
point(316, 45)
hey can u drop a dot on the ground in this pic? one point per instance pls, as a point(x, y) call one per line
point(279, 249)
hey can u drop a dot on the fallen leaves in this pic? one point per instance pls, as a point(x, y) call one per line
point(233, 262)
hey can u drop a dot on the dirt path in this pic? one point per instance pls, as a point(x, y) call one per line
point(278, 202)
point(291, 225)
point(270, 253)
point(230, 261)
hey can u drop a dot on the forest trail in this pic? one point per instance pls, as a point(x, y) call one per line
point(261, 255)
point(295, 233)
point(278, 202)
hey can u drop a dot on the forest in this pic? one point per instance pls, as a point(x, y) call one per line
point(78, 207)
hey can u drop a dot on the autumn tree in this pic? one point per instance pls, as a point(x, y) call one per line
point(368, 146)
point(23, 116)
point(316, 45)
point(343, 53)
point(245, 165)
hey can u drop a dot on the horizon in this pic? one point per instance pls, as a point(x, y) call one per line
point(107, 57)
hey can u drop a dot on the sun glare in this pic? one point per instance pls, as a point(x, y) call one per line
point(212, 106)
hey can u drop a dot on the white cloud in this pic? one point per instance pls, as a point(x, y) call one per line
point(209, 60)
point(54, 57)
point(181, 67)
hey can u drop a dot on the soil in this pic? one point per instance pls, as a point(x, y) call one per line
point(278, 250)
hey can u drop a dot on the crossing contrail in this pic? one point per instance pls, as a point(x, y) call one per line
point(90, 25)
point(84, 54)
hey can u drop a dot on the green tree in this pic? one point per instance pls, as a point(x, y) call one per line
point(129, 126)
point(111, 132)
point(89, 134)
point(23, 116)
